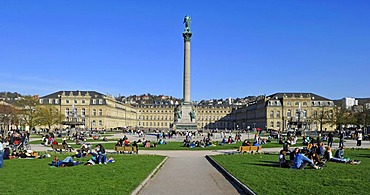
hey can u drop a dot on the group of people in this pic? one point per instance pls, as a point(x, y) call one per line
point(97, 157)
point(313, 155)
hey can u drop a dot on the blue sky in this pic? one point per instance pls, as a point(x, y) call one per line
point(239, 48)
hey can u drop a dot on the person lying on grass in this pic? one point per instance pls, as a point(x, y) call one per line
point(339, 156)
point(67, 162)
point(301, 161)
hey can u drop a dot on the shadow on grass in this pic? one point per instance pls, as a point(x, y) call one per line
point(270, 164)
point(363, 156)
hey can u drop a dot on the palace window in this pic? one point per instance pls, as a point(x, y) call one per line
point(56, 101)
point(75, 101)
point(100, 122)
point(289, 113)
point(271, 114)
point(67, 101)
point(83, 101)
point(305, 113)
point(94, 101)
point(100, 101)
point(277, 114)
point(315, 114)
point(272, 124)
point(297, 103)
point(94, 112)
point(100, 112)
point(67, 112)
point(83, 111)
point(93, 123)
point(278, 124)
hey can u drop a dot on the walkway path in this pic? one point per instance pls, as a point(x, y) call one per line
point(188, 172)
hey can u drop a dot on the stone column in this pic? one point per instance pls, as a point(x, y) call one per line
point(186, 87)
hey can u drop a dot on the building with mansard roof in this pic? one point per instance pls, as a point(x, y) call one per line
point(282, 111)
point(91, 109)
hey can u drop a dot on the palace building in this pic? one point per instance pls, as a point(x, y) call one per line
point(90, 109)
point(282, 111)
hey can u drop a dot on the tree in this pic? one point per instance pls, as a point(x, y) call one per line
point(48, 116)
point(341, 117)
point(27, 106)
point(363, 117)
point(8, 114)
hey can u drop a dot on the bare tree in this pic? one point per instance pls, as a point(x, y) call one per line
point(48, 116)
point(27, 107)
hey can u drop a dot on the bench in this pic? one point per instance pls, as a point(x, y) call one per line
point(123, 149)
point(59, 147)
point(250, 149)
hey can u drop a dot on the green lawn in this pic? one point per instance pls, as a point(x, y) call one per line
point(35, 176)
point(262, 175)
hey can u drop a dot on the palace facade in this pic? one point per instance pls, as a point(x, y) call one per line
point(282, 111)
point(279, 111)
point(90, 109)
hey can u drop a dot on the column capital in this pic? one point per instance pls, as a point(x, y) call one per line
point(187, 35)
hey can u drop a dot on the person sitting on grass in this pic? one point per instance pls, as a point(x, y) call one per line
point(301, 161)
point(66, 146)
point(316, 159)
point(320, 150)
point(293, 154)
point(162, 142)
point(6, 154)
point(282, 161)
point(230, 140)
point(339, 157)
point(14, 154)
point(102, 157)
point(93, 160)
point(192, 144)
point(246, 143)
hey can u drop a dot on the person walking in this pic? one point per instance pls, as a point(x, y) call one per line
point(341, 139)
point(1, 153)
point(330, 139)
point(359, 138)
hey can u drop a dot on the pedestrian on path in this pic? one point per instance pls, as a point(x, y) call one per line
point(1, 153)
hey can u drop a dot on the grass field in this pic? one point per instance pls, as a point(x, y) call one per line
point(262, 175)
point(35, 176)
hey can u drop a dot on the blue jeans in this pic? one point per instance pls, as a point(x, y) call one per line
point(1, 158)
point(68, 159)
point(102, 158)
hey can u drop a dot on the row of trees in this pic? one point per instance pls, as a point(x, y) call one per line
point(28, 112)
point(340, 118)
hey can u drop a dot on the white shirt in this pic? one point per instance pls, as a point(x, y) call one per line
point(1, 146)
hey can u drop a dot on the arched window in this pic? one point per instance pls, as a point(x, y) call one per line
point(289, 113)
point(271, 114)
point(272, 124)
point(100, 112)
point(83, 111)
point(94, 112)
